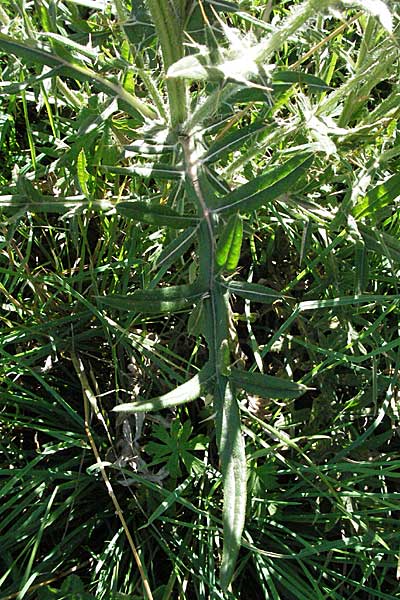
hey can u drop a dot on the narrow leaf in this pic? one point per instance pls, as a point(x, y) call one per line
point(265, 188)
point(155, 214)
point(50, 204)
point(234, 140)
point(234, 475)
point(230, 244)
point(380, 196)
point(184, 393)
point(267, 386)
point(156, 170)
point(176, 249)
point(299, 77)
point(156, 301)
point(253, 291)
point(385, 244)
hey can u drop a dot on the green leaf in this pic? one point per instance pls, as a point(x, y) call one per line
point(155, 170)
point(234, 140)
point(50, 204)
point(156, 301)
point(195, 324)
point(380, 196)
point(230, 244)
point(175, 249)
point(299, 77)
point(267, 386)
point(83, 175)
point(265, 188)
point(346, 301)
point(383, 243)
point(361, 270)
point(253, 291)
point(191, 67)
point(155, 214)
point(234, 475)
point(184, 393)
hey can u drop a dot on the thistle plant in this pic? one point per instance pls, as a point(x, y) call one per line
point(211, 179)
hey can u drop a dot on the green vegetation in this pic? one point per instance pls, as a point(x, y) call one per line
point(200, 250)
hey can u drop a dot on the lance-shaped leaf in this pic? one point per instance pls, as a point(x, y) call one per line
point(155, 214)
point(299, 77)
point(70, 67)
point(156, 170)
point(51, 204)
point(175, 249)
point(156, 301)
point(380, 196)
point(234, 140)
point(184, 393)
point(266, 187)
point(230, 244)
point(267, 386)
point(253, 291)
point(234, 475)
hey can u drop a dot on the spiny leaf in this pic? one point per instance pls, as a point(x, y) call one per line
point(267, 386)
point(186, 392)
point(159, 300)
point(230, 243)
point(155, 214)
point(265, 188)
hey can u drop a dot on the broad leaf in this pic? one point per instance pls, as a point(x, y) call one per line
point(155, 215)
point(265, 188)
point(186, 392)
